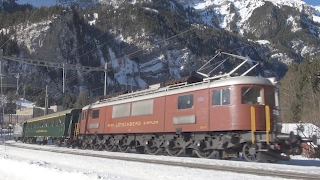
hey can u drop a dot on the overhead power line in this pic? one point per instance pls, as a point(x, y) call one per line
point(54, 64)
point(58, 65)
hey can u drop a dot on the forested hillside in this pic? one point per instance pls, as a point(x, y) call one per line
point(147, 42)
point(300, 92)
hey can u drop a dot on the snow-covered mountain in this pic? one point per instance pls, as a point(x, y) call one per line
point(147, 41)
point(226, 11)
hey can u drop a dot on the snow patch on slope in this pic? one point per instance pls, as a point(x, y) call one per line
point(31, 34)
point(316, 16)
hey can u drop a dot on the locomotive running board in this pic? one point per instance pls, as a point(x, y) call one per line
point(219, 53)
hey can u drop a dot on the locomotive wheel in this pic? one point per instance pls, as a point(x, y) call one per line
point(111, 148)
point(206, 153)
point(250, 153)
point(124, 148)
point(84, 146)
point(97, 147)
point(174, 151)
point(151, 148)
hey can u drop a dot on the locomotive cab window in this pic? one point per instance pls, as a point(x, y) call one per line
point(270, 96)
point(95, 114)
point(252, 95)
point(185, 101)
point(221, 97)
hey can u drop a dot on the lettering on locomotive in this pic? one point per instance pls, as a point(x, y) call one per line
point(150, 122)
point(41, 131)
point(132, 124)
point(126, 124)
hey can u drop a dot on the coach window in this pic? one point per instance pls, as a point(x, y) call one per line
point(95, 114)
point(185, 101)
point(221, 97)
point(252, 95)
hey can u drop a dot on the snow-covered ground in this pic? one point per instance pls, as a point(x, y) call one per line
point(24, 164)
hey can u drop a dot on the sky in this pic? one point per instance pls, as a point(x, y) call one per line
point(37, 165)
point(313, 2)
point(38, 3)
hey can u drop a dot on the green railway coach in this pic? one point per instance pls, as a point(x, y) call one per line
point(58, 127)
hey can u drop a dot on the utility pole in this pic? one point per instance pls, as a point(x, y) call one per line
point(105, 78)
point(47, 64)
point(2, 104)
point(46, 102)
point(63, 78)
point(17, 76)
point(24, 92)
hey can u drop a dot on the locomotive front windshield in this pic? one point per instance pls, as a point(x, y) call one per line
point(252, 95)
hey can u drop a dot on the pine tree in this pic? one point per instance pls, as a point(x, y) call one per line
point(82, 100)
point(67, 102)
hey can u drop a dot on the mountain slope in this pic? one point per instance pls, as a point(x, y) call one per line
point(146, 42)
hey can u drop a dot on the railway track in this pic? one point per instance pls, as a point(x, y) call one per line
point(260, 172)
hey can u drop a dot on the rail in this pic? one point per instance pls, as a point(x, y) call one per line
point(172, 162)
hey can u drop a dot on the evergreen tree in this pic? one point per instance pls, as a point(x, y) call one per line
point(288, 101)
point(82, 100)
point(299, 92)
point(67, 102)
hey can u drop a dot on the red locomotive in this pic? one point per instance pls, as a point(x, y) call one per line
point(220, 115)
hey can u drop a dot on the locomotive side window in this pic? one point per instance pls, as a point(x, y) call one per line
point(95, 114)
point(221, 97)
point(185, 101)
point(121, 110)
point(142, 107)
point(84, 114)
point(252, 95)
